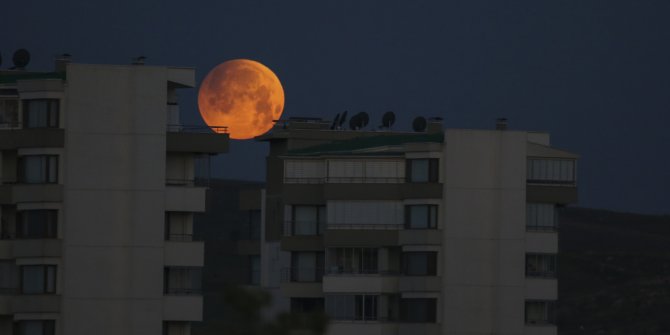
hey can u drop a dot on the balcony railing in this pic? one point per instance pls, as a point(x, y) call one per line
point(365, 226)
point(302, 275)
point(336, 270)
point(183, 291)
point(180, 128)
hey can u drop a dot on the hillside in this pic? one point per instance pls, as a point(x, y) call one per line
point(614, 273)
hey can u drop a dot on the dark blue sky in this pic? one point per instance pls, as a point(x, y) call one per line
point(596, 74)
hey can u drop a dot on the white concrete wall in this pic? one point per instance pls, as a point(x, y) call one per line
point(483, 232)
point(114, 176)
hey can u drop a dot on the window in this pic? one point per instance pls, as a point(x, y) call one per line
point(307, 266)
point(421, 216)
point(308, 220)
point(419, 263)
point(365, 214)
point(178, 226)
point(353, 260)
point(422, 170)
point(38, 223)
point(38, 169)
point(307, 305)
point(541, 265)
point(303, 171)
point(255, 270)
point(9, 113)
point(365, 171)
point(40, 113)
point(8, 276)
point(540, 312)
point(352, 307)
point(35, 327)
point(551, 171)
point(176, 328)
point(38, 279)
point(418, 310)
point(541, 217)
point(182, 280)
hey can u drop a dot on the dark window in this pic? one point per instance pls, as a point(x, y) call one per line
point(38, 279)
point(182, 280)
point(176, 328)
point(35, 327)
point(307, 305)
point(40, 113)
point(178, 226)
point(255, 270)
point(352, 307)
point(540, 312)
point(308, 220)
point(550, 171)
point(38, 169)
point(9, 113)
point(353, 260)
point(39, 223)
point(541, 217)
point(420, 263)
point(541, 265)
point(425, 170)
point(307, 266)
point(421, 216)
point(418, 310)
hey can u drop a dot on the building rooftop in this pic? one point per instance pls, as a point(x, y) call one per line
point(387, 144)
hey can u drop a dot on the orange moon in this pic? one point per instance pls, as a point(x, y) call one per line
point(243, 95)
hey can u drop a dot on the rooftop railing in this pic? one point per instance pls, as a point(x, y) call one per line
point(180, 128)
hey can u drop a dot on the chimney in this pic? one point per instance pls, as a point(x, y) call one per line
point(139, 60)
point(62, 61)
point(501, 124)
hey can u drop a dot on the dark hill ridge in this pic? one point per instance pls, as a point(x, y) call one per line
point(614, 273)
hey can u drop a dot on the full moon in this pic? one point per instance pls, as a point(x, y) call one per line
point(243, 95)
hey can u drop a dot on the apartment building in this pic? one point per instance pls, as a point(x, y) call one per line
point(433, 232)
point(97, 197)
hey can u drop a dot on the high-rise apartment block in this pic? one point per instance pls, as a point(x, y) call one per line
point(434, 232)
point(97, 197)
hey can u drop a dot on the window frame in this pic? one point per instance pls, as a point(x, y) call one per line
point(48, 326)
point(431, 263)
point(45, 283)
point(549, 310)
point(548, 274)
point(45, 177)
point(429, 318)
point(53, 113)
point(433, 216)
point(51, 229)
point(433, 170)
point(318, 221)
point(317, 269)
point(181, 290)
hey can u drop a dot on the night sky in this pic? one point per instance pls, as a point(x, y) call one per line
point(596, 74)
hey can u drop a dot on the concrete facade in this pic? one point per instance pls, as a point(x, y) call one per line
point(440, 232)
point(98, 193)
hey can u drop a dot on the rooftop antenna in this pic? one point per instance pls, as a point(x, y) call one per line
point(343, 118)
point(336, 122)
point(388, 120)
point(419, 124)
point(21, 59)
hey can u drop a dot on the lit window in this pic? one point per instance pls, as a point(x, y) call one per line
point(40, 113)
point(182, 280)
point(352, 307)
point(422, 170)
point(420, 263)
point(540, 312)
point(421, 216)
point(38, 169)
point(38, 279)
point(35, 327)
point(541, 217)
point(39, 223)
point(541, 265)
point(418, 310)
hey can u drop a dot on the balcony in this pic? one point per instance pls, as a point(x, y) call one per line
point(197, 139)
point(16, 193)
point(185, 198)
point(382, 282)
point(16, 138)
point(361, 235)
point(184, 253)
point(182, 308)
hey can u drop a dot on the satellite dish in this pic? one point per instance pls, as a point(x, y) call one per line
point(336, 121)
point(21, 58)
point(343, 118)
point(419, 124)
point(388, 119)
point(364, 119)
point(354, 122)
